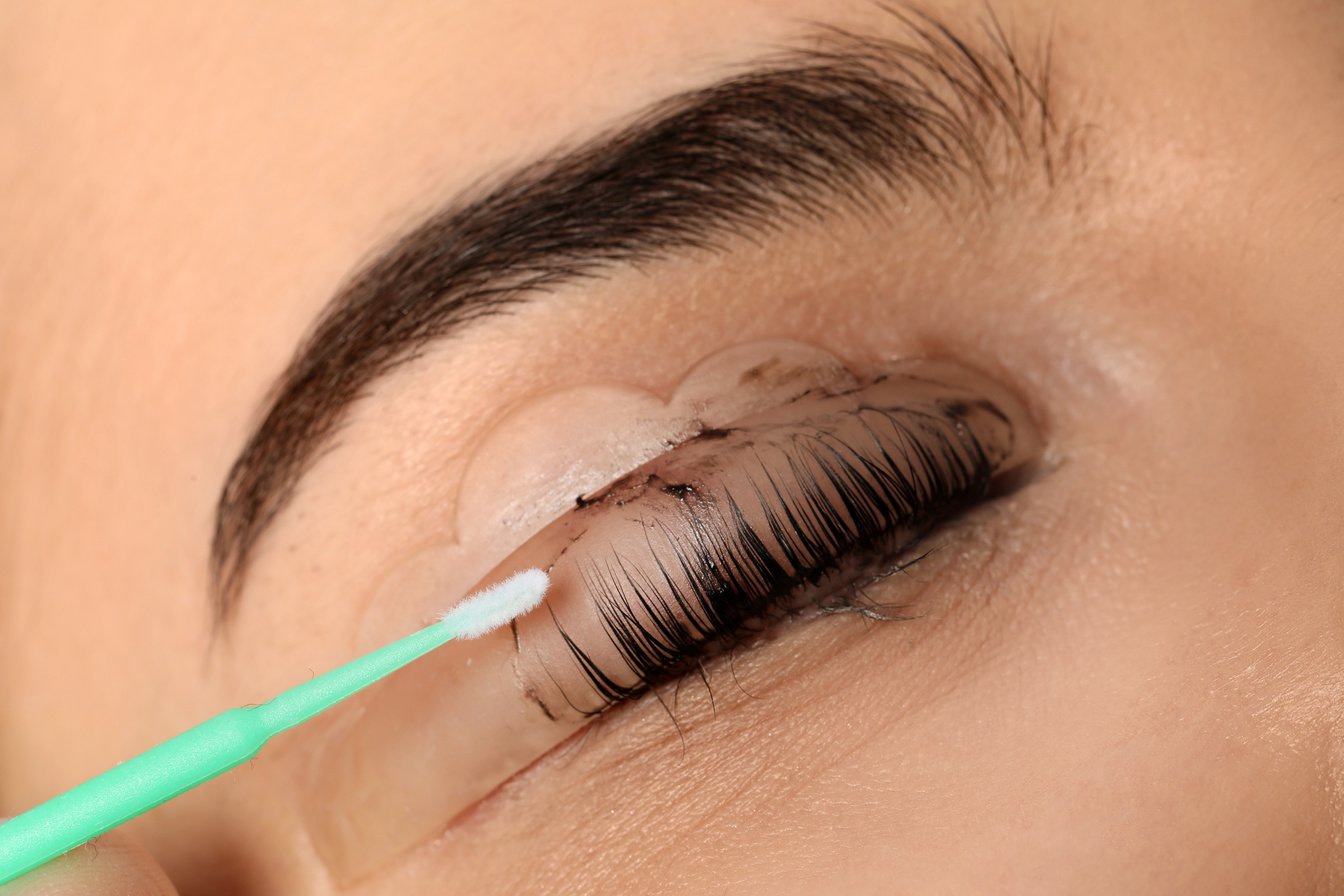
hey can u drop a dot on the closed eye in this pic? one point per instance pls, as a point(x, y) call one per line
point(788, 513)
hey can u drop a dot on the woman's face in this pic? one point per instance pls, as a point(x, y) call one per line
point(1079, 263)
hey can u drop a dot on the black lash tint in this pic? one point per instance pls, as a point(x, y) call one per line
point(745, 526)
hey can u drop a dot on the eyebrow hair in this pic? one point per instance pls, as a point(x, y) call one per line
point(850, 121)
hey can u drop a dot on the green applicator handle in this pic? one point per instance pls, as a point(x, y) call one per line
point(135, 786)
point(236, 735)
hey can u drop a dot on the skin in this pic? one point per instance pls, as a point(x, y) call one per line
point(1127, 675)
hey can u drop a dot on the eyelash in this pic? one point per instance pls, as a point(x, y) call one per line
point(843, 516)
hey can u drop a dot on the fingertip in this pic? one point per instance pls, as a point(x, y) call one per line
point(111, 865)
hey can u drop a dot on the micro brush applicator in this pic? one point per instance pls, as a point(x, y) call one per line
point(235, 736)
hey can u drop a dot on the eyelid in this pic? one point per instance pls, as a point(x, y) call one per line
point(653, 572)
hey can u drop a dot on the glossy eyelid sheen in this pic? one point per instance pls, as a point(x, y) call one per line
point(398, 766)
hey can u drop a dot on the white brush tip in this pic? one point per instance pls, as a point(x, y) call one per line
point(500, 604)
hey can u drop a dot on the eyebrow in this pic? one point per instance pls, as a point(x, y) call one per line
point(850, 121)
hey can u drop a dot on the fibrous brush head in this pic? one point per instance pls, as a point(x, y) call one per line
point(497, 605)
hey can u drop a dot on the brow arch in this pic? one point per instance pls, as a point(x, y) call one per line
point(851, 120)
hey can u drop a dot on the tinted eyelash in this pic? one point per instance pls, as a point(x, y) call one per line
point(835, 515)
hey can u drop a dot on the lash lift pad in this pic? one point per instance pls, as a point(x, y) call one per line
point(236, 735)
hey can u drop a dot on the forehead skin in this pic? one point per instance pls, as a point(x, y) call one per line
point(183, 189)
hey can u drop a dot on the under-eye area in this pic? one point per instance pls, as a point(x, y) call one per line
point(789, 513)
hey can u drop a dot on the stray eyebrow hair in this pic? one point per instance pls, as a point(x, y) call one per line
point(849, 121)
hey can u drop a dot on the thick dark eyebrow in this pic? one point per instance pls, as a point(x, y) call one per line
point(848, 121)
